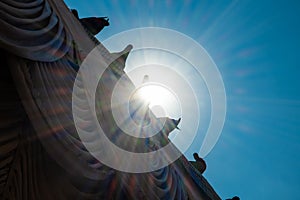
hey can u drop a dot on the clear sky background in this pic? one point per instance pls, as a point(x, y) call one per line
point(255, 45)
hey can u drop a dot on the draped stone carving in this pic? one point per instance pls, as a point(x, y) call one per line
point(32, 30)
point(41, 154)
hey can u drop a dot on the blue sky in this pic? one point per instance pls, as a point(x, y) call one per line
point(255, 45)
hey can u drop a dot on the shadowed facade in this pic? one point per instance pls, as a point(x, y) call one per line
point(41, 155)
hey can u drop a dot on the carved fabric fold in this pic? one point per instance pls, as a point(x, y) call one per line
point(42, 156)
point(32, 30)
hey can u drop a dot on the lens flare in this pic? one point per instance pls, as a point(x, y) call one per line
point(157, 96)
point(174, 62)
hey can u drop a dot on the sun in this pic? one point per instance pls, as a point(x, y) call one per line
point(160, 99)
point(154, 94)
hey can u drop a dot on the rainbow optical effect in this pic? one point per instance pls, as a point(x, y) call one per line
point(165, 63)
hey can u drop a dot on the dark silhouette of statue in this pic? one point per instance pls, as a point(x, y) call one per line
point(93, 24)
point(41, 154)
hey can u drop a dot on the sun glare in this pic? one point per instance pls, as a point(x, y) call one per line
point(160, 99)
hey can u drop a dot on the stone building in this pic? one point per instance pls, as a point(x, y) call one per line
point(42, 44)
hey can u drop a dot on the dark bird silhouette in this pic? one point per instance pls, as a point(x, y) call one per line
point(75, 13)
point(199, 163)
point(93, 24)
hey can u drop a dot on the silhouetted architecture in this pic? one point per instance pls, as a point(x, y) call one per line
point(42, 44)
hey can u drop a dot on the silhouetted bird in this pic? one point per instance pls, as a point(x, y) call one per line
point(199, 163)
point(75, 13)
point(234, 198)
point(93, 24)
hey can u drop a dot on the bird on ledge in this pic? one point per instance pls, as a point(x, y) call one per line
point(199, 163)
